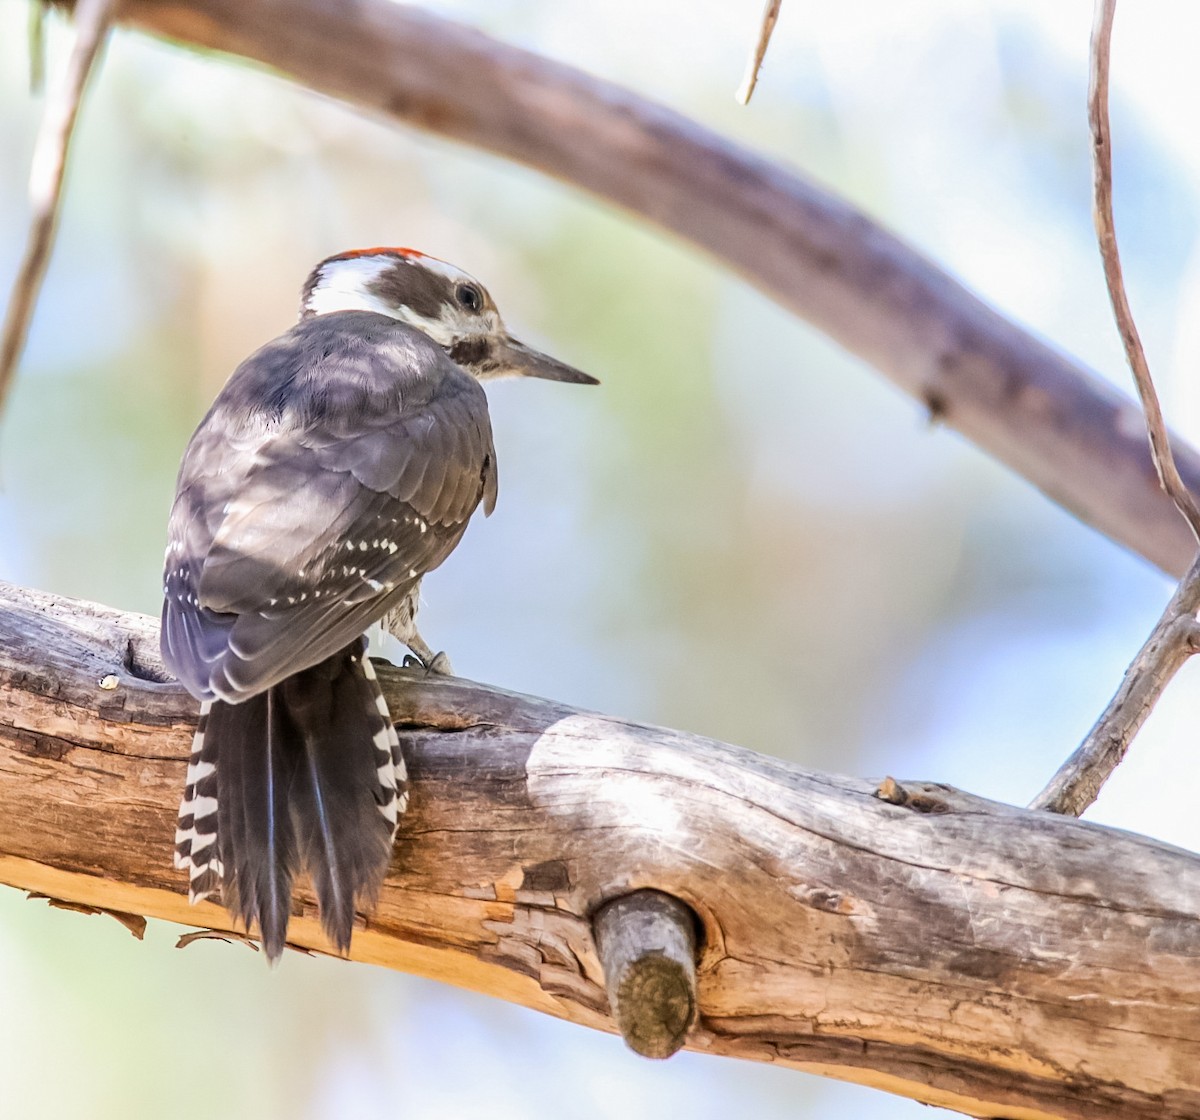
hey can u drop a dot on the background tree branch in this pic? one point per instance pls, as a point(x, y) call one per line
point(955, 950)
point(46, 181)
point(1035, 409)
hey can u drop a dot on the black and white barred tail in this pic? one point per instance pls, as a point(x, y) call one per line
point(306, 776)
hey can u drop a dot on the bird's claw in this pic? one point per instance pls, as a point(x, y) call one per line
point(438, 664)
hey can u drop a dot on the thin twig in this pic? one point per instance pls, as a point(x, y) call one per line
point(1172, 641)
point(1176, 636)
point(37, 46)
point(754, 62)
point(92, 21)
point(1106, 235)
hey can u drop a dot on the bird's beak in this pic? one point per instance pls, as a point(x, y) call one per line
point(519, 360)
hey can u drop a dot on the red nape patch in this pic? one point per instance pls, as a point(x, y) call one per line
point(377, 251)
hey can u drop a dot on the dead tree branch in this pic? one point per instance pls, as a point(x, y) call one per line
point(1176, 636)
point(962, 952)
point(92, 21)
point(1035, 409)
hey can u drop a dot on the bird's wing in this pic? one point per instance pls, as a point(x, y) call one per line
point(298, 537)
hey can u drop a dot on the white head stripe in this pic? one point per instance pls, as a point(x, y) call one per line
point(344, 286)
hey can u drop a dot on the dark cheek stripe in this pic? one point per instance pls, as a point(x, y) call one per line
point(410, 285)
point(472, 352)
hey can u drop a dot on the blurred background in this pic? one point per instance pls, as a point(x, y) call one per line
point(744, 533)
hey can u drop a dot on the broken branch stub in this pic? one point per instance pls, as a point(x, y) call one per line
point(647, 946)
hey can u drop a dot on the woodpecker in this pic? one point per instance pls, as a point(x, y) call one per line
point(340, 463)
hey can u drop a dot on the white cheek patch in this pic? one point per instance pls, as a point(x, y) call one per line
point(455, 324)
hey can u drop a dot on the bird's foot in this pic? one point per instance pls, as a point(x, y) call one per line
point(439, 663)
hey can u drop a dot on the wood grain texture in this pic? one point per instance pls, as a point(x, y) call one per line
point(963, 952)
point(1034, 408)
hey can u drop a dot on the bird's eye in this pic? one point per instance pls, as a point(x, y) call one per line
point(469, 297)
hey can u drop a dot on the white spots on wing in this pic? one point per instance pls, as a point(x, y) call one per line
point(374, 585)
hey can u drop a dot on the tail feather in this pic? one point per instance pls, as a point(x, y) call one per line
point(305, 776)
point(196, 833)
point(254, 756)
point(392, 791)
point(345, 839)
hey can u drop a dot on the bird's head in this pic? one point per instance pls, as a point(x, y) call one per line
point(441, 301)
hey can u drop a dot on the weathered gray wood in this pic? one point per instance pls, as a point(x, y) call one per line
point(1044, 415)
point(647, 946)
point(991, 959)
